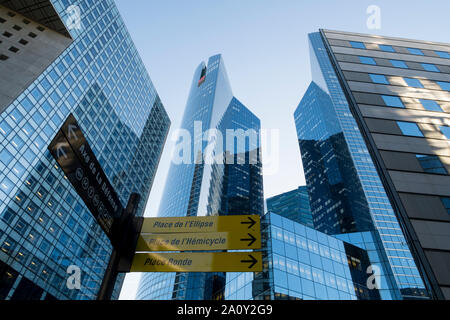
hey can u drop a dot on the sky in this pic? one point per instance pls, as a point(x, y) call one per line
point(265, 47)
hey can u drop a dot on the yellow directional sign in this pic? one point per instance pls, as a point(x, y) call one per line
point(200, 241)
point(202, 224)
point(198, 262)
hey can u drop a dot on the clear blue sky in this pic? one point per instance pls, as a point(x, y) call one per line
point(265, 48)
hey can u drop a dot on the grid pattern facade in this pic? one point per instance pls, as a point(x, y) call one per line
point(399, 91)
point(357, 166)
point(44, 224)
point(301, 263)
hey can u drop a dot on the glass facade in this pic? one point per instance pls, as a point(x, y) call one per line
point(227, 186)
point(293, 205)
point(44, 225)
point(301, 263)
point(347, 195)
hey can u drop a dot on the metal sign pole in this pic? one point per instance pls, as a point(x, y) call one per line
point(124, 244)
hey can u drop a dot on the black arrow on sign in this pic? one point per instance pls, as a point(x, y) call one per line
point(251, 222)
point(252, 239)
point(253, 261)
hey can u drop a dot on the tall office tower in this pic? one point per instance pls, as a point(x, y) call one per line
point(293, 205)
point(230, 184)
point(44, 225)
point(373, 130)
point(32, 36)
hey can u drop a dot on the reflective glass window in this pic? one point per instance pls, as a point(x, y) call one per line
point(430, 67)
point(367, 60)
point(431, 105)
point(410, 129)
point(443, 54)
point(392, 101)
point(357, 45)
point(386, 48)
point(399, 64)
point(446, 131)
point(379, 78)
point(415, 83)
point(431, 164)
point(415, 51)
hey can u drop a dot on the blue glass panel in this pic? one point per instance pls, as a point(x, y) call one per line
point(431, 105)
point(357, 45)
point(410, 129)
point(415, 51)
point(392, 101)
point(443, 54)
point(430, 67)
point(379, 78)
point(415, 83)
point(367, 60)
point(399, 64)
point(386, 48)
point(446, 131)
point(444, 85)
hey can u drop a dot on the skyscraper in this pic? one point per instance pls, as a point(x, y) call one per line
point(230, 184)
point(44, 225)
point(293, 205)
point(372, 130)
point(32, 36)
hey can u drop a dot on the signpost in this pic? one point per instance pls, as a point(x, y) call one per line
point(153, 244)
point(162, 235)
point(198, 262)
point(75, 157)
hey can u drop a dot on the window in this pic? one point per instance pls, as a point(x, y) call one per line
point(13, 49)
point(357, 45)
point(415, 83)
point(446, 203)
point(443, 54)
point(379, 78)
point(410, 129)
point(392, 101)
point(399, 64)
point(430, 105)
point(431, 164)
point(444, 85)
point(3, 57)
point(446, 131)
point(430, 67)
point(417, 52)
point(7, 34)
point(367, 60)
point(386, 48)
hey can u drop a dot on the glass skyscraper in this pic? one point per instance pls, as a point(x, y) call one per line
point(347, 194)
point(229, 185)
point(293, 205)
point(301, 263)
point(44, 225)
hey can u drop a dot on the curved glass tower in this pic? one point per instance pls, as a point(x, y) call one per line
point(231, 184)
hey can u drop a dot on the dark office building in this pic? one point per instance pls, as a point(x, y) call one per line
point(45, 227)
point(293, 205)
point(373, 130)
point(231, 184)
point(32, 36)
